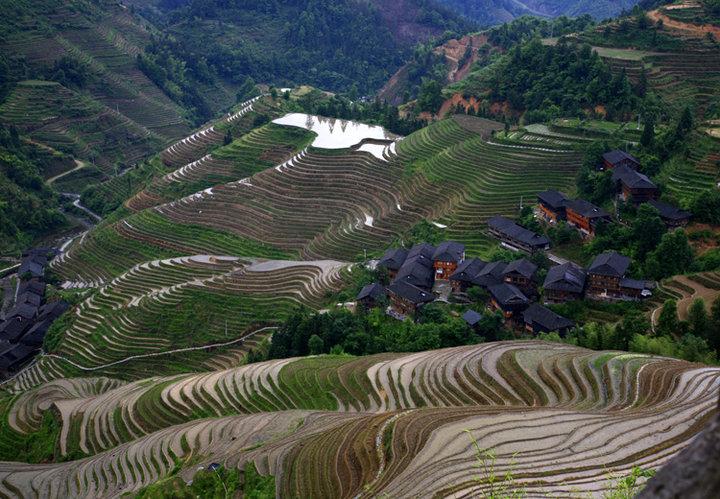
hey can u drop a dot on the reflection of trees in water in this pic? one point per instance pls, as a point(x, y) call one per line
point(334, 132)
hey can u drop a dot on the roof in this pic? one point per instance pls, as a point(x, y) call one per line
point(411, 293)
point(545, 318)
point(467, 270)
point(31, 267)
point(29, 298)
point(566, 277)
point(422, 249)
point(53, 310)
point(12, 330)
point(471, 317)
point(374, 291)
point(24, 310)
point(523, 266)
point(16, 356)
point(616, 156)
point(610, 263)
point(636, 284)
point(516, 232)
point(668, 211)
point(586, 209)
point(393, 258)
point(416, 271)
point(507, 294)
point(449, 251)
point(554, 199)
point(632, 178)
point(36, 334)
point(35, 287)
point(490, 274)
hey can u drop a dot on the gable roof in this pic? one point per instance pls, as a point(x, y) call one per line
point(53, 310)
point(507, 294)
point(523, 266)
point(668, 211)
point(467, 270)
point(471, 317)
point(490, 274)
point(12, 330)
point(616, 156)
point(586, 209)
point(610, 263)
point(411, 293)
point(449, 251)
point(23, 310)
point(417, 271)
point(516, 232)
point(17, 355)
point(632, 178)
point(374, 291)
point(36, 334)
point(30, 299)
point(32, 268)
point(554, 199)
point(393, 258)
point(566, 277)
point(34, 287)
point(545, 318)
point(424, 250)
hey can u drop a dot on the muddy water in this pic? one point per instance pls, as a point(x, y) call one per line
point(335, 133)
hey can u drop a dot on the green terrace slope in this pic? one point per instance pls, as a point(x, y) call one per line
point(324, 204)
point(398, 425)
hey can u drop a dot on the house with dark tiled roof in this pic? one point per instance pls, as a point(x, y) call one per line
point(491, 274)
point(371, 295)
point(463, 276)
point(539, 319)
point(515, 236)
point(564, 283)
point(52, 310)
point(607, 280)
point(392, 260)
point(12, 360)
point(617, 158)
point(417, 271)
point(551, 205)
point(406, 299)
point(34, 287)
point(508, 299)
point(36, 334)
point(585, 216)
point(446, 259)
point(671, 215)
point(424, 251)
point(472, 318)
point(634, 186)
point(30, 299)
point(521, 273)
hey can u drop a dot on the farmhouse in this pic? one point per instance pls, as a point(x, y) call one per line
point(617, 158)
point(516, 236)
point(466, 272)
point(586, 216)
point(551, 205)
point(392, 260)
point(508, 299)
point(472, 318)
point(446, 259)
point(521, 273)
point(539, 319)
point(607, 281)
point(564, 283)
point(406, 299)
point(633, 185)
point(671, 215)
point(417, 271)
point(371, 295)
point(491, 274)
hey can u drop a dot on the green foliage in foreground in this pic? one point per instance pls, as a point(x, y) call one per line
point(218, 484)
point(36, 447)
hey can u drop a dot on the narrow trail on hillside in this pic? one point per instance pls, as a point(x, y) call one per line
point(79, 166)
point(695, 29)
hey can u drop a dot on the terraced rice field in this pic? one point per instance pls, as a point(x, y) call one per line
point(325, 204)
point(564, 421)
point(177, 308)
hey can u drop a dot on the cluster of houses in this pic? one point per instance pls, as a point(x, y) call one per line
point(23, 328)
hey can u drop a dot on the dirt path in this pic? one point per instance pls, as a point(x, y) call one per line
point(79, 165)
point(701, 291)
point(694, 29)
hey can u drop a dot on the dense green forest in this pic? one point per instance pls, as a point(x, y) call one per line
point(492, 12)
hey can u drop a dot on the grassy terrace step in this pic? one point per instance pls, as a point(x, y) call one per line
point(413, 415)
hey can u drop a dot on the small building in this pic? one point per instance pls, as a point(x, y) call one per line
point(516, 236)
point(35, 336)
point(371, 295)
point(406, 299)
point(634, 186)
point(585, 216)
point(564, 283)
point(24, 312)
point(465, 273)
point(14, 359)
point(491, 274)
point(672, 216)
point(617, 158)
point(551, 205)
point(423, 251)
point(29, 298)
point(392, 260)
point(417, 271)
point(31, 269)
point(539, 319)
point(52, 310)
point(13, 329)
point(446, 259)
point(607, 281)
point(508, 299)
point(34, 286)
point(472, 318)
point(521, 273)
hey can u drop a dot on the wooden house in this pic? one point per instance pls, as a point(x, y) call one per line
point(406, 299)
point(551, 206)
point(607, 281)
point(464, 275)
point(446, 259)
point(417, 271)
point(585, 216)
point(672, 216)
point(617, 158)
point(633, 186)
point(515, 236)
point(521, 273)
point(564, 283)
point(371, 295)
point(538, 319)
point(392, 260)
point(508, 299)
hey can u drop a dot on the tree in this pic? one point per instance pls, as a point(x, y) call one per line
point(668, 323)
point(647, 139)
point(228, 138)
point(698, 318)
point(672, 256)
point(634, 323)
point(706, 207)
point(714, 326)
point(430, 97)
point(316, 345)
point(647, 230)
